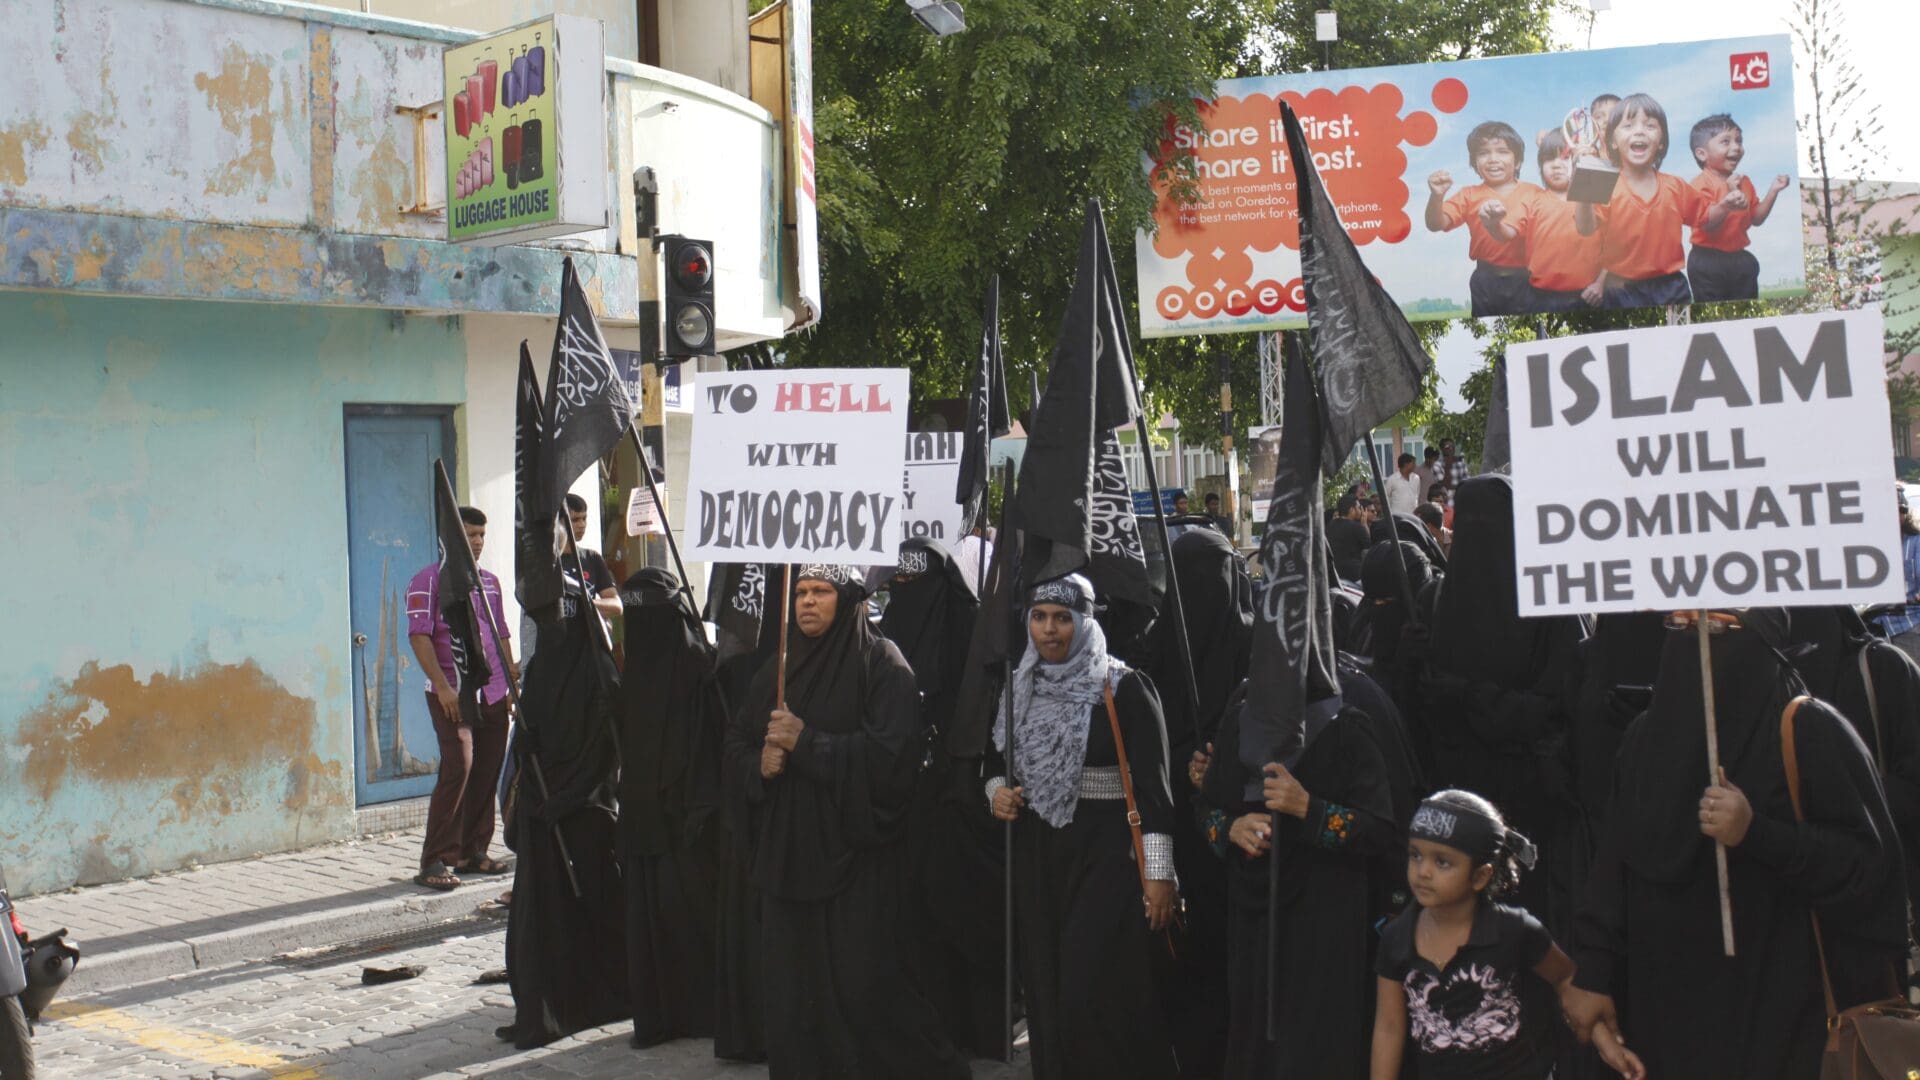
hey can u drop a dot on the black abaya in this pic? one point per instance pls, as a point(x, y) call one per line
point(951, 928)
point(826, 859)
point(1216, 599)
point(1086, 952)
point(565, 952)
point(1322, 1011)
point(1828, 646)
point(1649, 920)
point(669, 803)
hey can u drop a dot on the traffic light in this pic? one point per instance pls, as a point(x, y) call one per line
point(688, 296)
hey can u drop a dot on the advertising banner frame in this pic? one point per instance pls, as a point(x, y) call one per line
point(1229, 263)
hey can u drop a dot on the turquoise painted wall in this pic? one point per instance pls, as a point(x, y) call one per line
point(174, 685)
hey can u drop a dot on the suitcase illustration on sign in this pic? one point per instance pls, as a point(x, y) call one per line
point(475, 96)
point(510, 155)
point(531, 167)
point(486, 161)
point(489, 85)
point(510, 88)
point(536, 71)
point(462, 123)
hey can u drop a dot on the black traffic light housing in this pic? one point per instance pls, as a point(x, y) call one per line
point(688, 296)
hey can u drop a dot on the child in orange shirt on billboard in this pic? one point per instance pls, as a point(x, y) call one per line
point(1499, 283)
point(1602, 113)
point(1719, 266)
point(1641, 228)
point(1562, 265)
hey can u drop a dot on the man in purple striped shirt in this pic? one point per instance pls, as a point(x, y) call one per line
point(460, 812)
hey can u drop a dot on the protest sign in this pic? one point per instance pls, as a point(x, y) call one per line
point(1726, 464)
point(933, 475)
point(1229, 262)
point(643, 514)
point(798, 466)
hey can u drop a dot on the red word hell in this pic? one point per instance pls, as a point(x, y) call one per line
point(1267, 297)
point(830, 397)
point(1750, 71)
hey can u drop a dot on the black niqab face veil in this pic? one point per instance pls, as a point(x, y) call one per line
point(929, 616)
point(1820, 642)
point(1663, 766)
point(1477, 629)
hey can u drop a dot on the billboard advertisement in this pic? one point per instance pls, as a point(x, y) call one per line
point(526, 132)
point(1516, 185)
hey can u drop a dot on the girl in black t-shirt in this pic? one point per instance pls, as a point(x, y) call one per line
point(1451, 968)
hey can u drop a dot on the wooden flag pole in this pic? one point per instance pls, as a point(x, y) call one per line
point(786, 613)
point(1713, 776)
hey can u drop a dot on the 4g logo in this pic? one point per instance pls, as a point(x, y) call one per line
point(1750, 71)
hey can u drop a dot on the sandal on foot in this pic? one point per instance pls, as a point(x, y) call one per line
point(437, 877)
point(484, 865)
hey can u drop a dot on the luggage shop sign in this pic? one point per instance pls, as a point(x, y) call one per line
point(798, 466)
point(1727, 464)
point(526, 132)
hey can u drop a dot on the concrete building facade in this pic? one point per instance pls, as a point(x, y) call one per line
point(216, 284)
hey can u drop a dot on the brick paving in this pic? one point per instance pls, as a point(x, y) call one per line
point(179, 981)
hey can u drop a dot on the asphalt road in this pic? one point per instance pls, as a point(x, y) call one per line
point(311, 1019)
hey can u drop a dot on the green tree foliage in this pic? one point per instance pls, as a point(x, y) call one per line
point(943, 161)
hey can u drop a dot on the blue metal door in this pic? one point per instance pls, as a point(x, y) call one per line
point(390, 452)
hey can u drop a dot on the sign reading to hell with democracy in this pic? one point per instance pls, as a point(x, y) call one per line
point(1727, 464)
point(798, 466)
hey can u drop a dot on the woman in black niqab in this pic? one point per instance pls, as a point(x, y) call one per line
point(1835, 655)
point(1649, 922)
point(669, 803)
point(826, 855)
point(566, 952)
point(952, 929)
point(1216, 597)
point(1495, 693)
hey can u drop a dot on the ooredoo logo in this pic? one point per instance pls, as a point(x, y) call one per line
point(1750, 71)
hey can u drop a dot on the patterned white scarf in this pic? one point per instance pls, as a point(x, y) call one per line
point(1052, 702)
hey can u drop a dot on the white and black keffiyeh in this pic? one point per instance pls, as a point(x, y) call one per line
point(1051, 701)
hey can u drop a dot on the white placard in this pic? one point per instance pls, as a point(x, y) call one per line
point(1725, 464)
point(643, 515)
point(798, 466)
point(933, 473)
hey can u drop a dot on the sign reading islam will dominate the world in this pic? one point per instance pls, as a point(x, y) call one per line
point(1727, 464)
point(800, 466)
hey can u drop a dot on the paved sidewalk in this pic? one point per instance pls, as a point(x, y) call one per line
point(138, 931)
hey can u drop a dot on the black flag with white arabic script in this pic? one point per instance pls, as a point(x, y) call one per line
point(588, 409)
point(1293, 651)
point(998, 639)
point(1063, 505)
point(458, 584)
point(537, 581)
point(987, 417)
point(1371, 364)
point(736, 605)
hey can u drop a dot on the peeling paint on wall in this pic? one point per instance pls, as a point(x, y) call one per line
point(193, 703)
point(108, 726)
point(242, 93)
point(15, 142)
point(42, 249)
point(158, 108)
